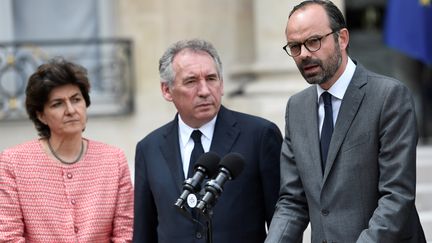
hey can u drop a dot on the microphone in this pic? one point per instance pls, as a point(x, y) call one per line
point(206, 165)
point(229, 168)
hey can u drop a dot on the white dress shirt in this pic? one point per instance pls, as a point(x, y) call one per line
point(187, 144)
point(337, 90)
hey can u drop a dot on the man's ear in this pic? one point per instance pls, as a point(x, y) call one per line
point(222, 87)
point(343, 38)
point(166, 91)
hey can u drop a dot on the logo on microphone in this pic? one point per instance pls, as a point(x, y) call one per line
point(192, 200)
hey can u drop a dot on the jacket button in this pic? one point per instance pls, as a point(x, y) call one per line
point(198, 235)
point(324, 212)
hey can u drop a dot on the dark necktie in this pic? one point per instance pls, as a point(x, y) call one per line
point(327, 128)
point(196, 152)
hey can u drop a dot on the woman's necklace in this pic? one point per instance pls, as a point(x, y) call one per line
point(61, 160)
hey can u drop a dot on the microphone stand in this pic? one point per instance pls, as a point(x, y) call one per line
point(208, 213)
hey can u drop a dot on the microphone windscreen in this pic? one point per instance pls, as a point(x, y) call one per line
point(209, 161)
point(234, 163)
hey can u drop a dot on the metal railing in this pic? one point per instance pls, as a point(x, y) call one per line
point(108, 62)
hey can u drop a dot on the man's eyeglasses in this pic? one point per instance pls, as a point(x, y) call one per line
point(312, 44)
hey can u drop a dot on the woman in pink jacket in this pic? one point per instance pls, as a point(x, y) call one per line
point(63, 187)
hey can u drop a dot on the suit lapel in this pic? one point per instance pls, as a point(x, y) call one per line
point(224, 136)
point(348, 110)
point(171, 152)
point(311, 126)
point(225, 133)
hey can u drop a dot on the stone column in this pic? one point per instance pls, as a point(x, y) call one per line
point(6, 21)
point(271, 63)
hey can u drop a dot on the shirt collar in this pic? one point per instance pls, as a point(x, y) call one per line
point(185, 131)
point(339, 88)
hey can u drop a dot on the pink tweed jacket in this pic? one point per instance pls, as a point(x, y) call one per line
point(42, 200)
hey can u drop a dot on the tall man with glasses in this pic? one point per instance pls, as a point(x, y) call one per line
point(348, 161)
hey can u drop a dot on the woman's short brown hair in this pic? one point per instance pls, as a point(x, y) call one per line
point(56, 72)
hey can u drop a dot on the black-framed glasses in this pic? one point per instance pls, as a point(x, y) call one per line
point(312, 44)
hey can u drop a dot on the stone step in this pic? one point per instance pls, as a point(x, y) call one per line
point(424, 189)
point(424, 153)
point(426, 221)
point(424, 197)
point(424, 174)
point(424, 164)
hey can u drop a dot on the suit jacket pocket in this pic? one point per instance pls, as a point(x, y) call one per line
point(355, 141)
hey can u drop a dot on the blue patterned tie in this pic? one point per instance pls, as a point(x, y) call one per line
point(196, 152)
point(327, 128)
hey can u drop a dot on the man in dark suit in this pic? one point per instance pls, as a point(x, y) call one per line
point(348, 161)
point(191, 78)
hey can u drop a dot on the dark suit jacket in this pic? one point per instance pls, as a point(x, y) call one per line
point(246, 202)
point(367, 191)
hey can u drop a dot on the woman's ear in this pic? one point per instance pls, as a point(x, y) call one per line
point(41, 117)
